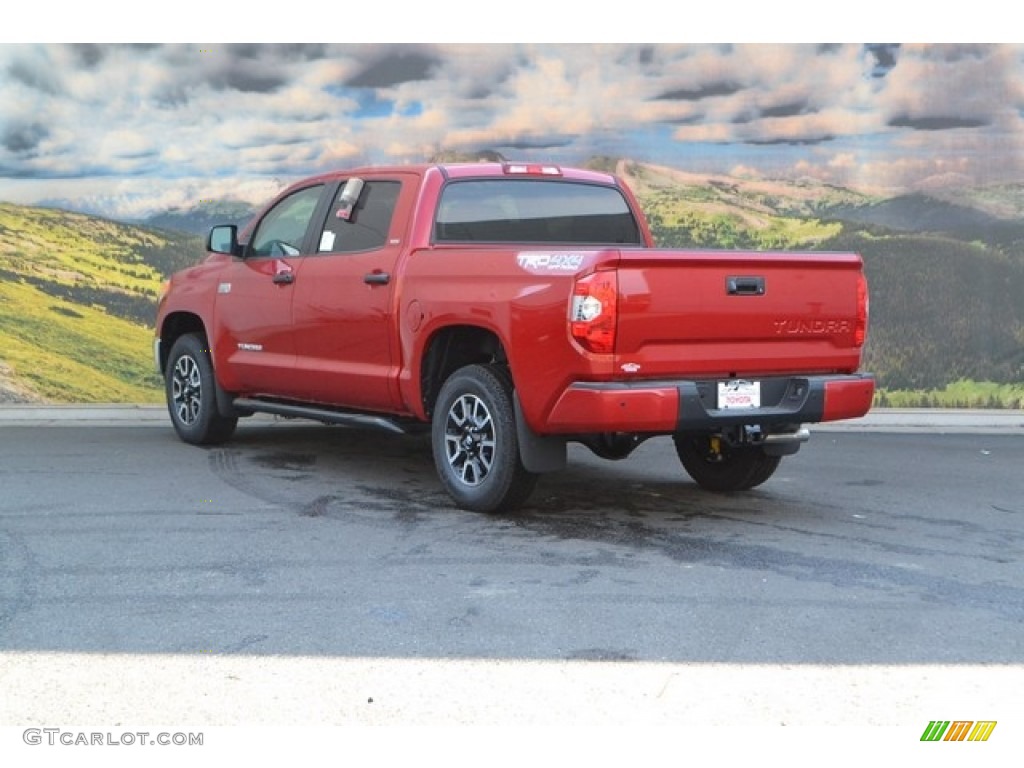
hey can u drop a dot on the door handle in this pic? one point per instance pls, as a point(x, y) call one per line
point(377, 278)
point(284, 278)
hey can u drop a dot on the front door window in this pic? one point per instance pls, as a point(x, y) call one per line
point(282, 232)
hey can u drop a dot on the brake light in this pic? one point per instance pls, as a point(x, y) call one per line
point(594, 311)
point(860, 330)
point(532, 169)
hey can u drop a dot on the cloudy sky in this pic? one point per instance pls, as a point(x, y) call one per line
point(126, 130)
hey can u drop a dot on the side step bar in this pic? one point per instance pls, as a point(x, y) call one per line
point(326, 415)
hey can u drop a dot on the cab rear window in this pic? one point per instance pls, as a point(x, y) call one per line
point(534, 211)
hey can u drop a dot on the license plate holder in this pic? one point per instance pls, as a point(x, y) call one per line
point(738, 395)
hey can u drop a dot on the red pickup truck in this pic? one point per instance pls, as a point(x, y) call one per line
point(512, 308)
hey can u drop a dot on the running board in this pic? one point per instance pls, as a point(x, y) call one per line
point(325, 415)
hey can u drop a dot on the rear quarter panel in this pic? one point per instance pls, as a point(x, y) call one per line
point(520, 294)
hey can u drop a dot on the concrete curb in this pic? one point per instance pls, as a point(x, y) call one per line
point(72, 414)
point(944, 420)
point(974, 421)
point(94, 415)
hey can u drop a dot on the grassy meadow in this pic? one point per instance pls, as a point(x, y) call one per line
point(77, 300)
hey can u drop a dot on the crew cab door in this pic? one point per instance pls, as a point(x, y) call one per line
point(345, 335)
point(255, 337)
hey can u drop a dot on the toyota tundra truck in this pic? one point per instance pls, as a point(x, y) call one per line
point(510, 308)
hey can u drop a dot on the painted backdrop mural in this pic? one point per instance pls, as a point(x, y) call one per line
point(113, 158)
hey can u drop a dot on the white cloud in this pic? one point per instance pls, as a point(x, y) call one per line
point(160, 116)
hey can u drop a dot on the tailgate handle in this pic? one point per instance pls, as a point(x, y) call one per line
point(744, 286)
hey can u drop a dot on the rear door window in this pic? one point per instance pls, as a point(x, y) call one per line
point(366, 228)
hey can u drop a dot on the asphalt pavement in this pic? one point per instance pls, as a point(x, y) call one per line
point(317, 576)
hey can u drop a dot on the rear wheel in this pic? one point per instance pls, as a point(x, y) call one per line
point(473, 436)
point(192, 396)
point(717, 466)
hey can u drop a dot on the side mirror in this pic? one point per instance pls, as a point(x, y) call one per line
point(349, 197)
point(223, 239)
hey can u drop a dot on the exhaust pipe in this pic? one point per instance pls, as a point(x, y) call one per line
point(802, 435)
point(785, 443)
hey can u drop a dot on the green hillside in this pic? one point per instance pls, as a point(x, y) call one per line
point(942, 310)
point(688, 210)
point(77, 301)
point(693, 218)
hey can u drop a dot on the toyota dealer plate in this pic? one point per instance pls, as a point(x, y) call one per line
point(739, 394)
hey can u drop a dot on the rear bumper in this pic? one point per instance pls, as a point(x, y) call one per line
point(679, 406)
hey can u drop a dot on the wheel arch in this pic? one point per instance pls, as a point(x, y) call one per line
point(174, 326)
point(455, 346)
point(181, 323)
point(452, 347)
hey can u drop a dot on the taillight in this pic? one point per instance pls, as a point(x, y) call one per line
point(860, 330)
point(594, 310)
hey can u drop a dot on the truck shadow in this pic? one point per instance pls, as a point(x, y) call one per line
point(645, 503)
point(643, 511)
point(335, 470)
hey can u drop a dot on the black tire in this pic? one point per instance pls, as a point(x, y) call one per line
point(730, 468)
point(473, 437)
point(191, 394)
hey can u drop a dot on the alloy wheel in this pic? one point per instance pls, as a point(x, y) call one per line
point(186, 390)
point(470, 439)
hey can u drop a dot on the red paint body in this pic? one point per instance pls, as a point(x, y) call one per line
point(329, 337)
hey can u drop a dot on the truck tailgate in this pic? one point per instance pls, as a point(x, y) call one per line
point(735, 314)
